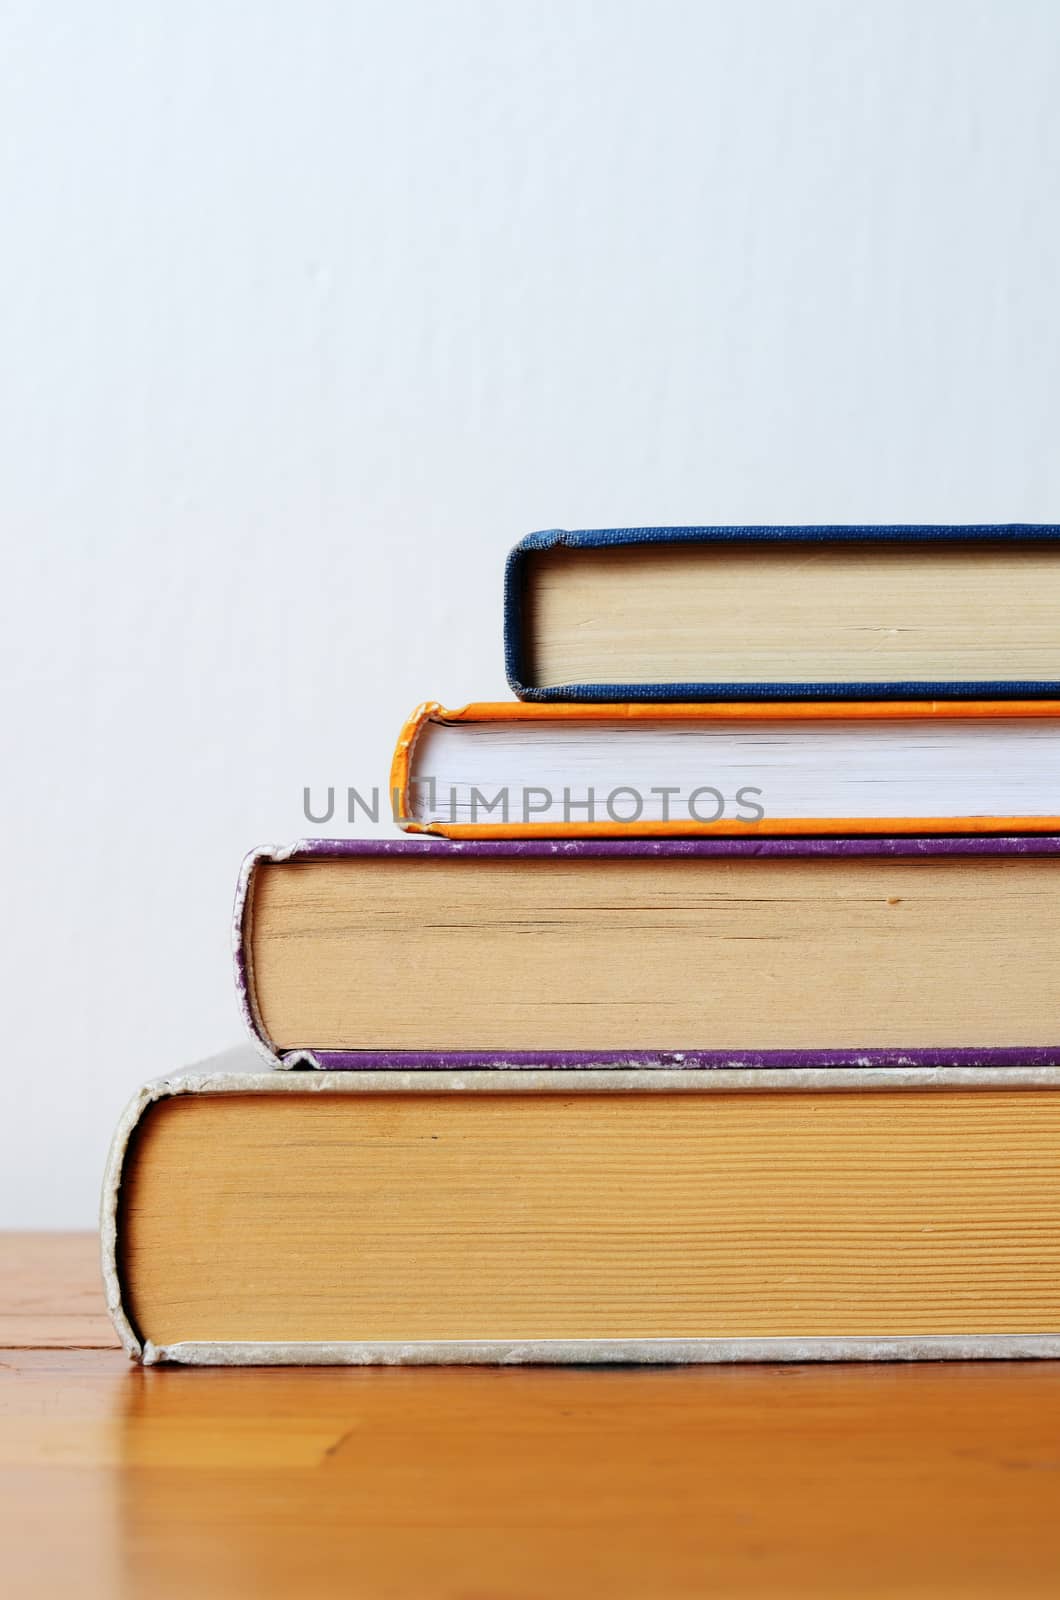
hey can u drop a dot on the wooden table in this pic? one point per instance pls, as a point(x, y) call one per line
point(484, 1484)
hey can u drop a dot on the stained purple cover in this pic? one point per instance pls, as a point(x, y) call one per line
point(633, 849)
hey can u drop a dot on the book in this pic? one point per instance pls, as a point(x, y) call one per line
point(710, 952)
point(771, 613)
point(522, 770)
point(263, 1217)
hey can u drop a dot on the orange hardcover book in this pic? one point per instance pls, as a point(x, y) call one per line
point(558, 770)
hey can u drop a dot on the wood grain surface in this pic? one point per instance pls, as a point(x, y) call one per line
point(776, 1482)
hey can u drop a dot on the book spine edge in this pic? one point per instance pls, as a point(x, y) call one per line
point(243, 961)
point(401, 764)
point(110, 1268)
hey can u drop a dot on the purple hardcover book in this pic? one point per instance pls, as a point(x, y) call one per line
point(721, 953)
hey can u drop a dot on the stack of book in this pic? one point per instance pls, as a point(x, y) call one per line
point(720, 1020)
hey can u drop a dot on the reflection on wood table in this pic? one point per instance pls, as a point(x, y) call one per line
point(481, 1484)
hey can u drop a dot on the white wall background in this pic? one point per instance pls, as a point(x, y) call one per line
point(310, 309)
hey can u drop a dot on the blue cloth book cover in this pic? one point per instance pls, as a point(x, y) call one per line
point(835, 612)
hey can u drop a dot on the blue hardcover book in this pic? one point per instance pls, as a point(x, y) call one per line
point(785, 613)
